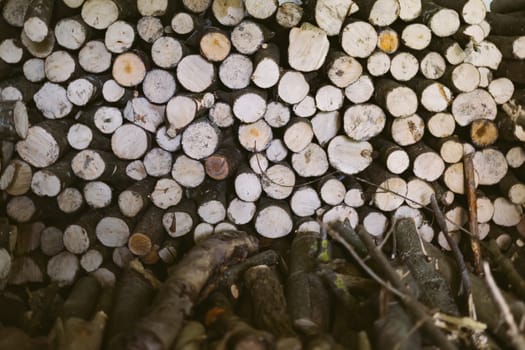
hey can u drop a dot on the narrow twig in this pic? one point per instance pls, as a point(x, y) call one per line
point(440, 218)
point(398, 288)
point(338, 238)
point(265, 175)
point(414, 307)
point(425, 207)
point(516, 339)
point(477, 336)
point(470, 190)
point(506, 267)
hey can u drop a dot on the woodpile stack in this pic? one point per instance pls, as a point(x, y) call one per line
point(131, 130)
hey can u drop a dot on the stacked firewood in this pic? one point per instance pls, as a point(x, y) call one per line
point(132, 129)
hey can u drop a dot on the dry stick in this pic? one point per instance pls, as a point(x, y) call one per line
point(516, 339)
point(398, 288)
point(506, 267)
point(470, 186)
point(441, 220)
point(415, 308)
point(435, 291)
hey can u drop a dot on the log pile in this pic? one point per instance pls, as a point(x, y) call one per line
point(132, 130)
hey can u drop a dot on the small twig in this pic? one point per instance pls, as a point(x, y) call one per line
point(440, 218)
point(507, 267)
point(516, 339)
point(423, 206)
point(470, 189)
point(477, 336)
point(266, 177)
point(398, 288)
point(338, 238)
point(414, 307)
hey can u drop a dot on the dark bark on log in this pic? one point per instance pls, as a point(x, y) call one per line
point(82, 299)
point(413, 306)
point(504, 6)
point(159, 328)
point(268, 301)
point(435, 292)
point(502, 24)
point(237, 334)
point(308, 300)
point(133, 294)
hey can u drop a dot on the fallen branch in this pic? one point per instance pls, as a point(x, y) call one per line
point(415, 309)
point(176, 298)
point(517, 340)
point(470, 189)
